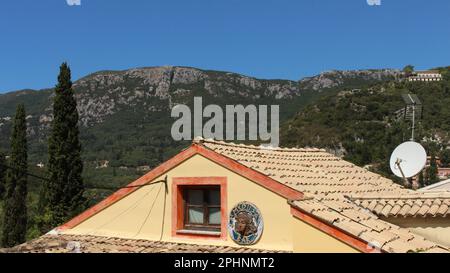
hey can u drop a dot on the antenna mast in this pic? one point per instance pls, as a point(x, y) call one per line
point(413, 110)
point(413, 117)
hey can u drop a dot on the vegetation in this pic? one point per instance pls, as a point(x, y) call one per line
point(15, 205)
point(408, 70)
point(421, 180)
point(62, 194)
point(432, 171)
point(2, 175)
point(366, 124)
point(445, 158)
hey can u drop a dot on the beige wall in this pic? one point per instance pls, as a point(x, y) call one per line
point(435, 229)
point(307, 238)
point(126, 217)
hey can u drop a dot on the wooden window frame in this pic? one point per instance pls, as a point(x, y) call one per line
point(179, 229)
point(205, 225)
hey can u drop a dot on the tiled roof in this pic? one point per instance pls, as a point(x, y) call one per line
point(417, 205)
point(327, 181)
point(427, 72)
point(347, 216)
point(65, 243)
point(311, 171)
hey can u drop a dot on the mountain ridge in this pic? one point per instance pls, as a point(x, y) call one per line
point(116, 106)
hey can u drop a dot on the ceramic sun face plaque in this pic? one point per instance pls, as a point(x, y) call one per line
point(245, 223)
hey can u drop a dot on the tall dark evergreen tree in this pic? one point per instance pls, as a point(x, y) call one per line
point(433, 171)
point(421, 180)
point(2, 175)
point(15, 215)
point(62, 196)
point(445, 158)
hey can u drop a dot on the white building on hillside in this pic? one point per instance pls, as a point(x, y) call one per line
point(425, 76)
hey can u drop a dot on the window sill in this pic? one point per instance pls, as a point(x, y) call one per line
point(199, 232)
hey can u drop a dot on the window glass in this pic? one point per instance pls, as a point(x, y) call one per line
point(202, 207)
point(214, 197)
point(195, 215)
point(195, 197)
point(214, 216)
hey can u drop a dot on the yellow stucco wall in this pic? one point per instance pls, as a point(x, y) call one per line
point(307, 239)
point(435, 229)
point(140, 214)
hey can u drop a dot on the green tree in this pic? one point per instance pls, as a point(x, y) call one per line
point(421, 180)
point(15, 210)
point(2, 175)
point(433, 171)
point(62, 195)
point(408, 70)
point(445, 158)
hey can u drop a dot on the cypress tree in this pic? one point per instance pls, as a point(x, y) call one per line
point(421, 180)
point(433, 171)
point(15, 215)
point(2, 175)
point(62, 195)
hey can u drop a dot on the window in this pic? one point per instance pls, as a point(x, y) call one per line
point(199, 206)
point(202, 208)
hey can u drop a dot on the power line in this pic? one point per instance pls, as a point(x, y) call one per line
point(86, 186)
point(27, 173)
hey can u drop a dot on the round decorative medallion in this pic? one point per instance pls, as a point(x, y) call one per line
point(245, 223)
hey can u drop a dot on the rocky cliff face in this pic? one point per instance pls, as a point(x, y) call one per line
point(335, 78)
point(104, 93)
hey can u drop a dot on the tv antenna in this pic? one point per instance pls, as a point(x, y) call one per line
point(413, 110)
point(407, 160)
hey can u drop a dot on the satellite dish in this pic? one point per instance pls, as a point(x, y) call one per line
point(408, 159)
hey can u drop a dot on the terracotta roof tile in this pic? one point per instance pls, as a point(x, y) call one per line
point(351, 227)
point(65, 243)
point(422, 204)
point(308, 170)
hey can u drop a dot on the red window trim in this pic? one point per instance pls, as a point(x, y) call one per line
point(177, 205)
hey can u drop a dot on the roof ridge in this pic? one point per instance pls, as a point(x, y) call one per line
point(199, 140)
point(396, 197)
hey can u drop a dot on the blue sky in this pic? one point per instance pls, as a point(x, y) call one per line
point(261, 38)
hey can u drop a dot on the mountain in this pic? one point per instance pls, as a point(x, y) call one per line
point(364, 125)
point(125, 115)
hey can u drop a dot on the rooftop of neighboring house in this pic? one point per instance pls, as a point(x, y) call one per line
point(440, 186)
point(427, 72)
